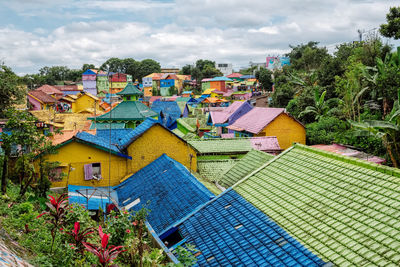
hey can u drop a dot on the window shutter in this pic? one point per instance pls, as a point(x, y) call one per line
point(88, 171)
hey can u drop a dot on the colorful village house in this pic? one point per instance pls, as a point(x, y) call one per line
point(167, 188)
point(166, 82)
point(241, 95)
point(130, 111)
point(230, 231)
point(150, 140)
point(87, 160)
point(187, 94)
point(235, 76)
point(219, 83)
point(226, 117)
point(182, 82)
point(147, 82)
point(205, 84)
point(85, 103)
point(344, 210)
point(39, 100)
point(89, 81)
point(270, 122)
point(102, 83)
point(168, 112)
point(117, 82)
point(51, 90)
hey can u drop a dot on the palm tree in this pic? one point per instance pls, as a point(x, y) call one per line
point(388, 130)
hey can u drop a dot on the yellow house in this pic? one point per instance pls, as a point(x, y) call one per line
point(150, 140)
point(85, 160)
point(270, 122)
point(85, 102)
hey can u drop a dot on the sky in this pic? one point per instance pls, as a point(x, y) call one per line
point(38, 33)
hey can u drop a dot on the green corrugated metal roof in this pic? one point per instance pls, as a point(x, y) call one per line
point(249, 163)
point(178, 132)
point(212, 170)
point(130, 89)
point(344, 210)
point(128, 111)
point(185, 124)
point(221, 145)
point(105, 126)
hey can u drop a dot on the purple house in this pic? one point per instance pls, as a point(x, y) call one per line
point(228, 115)
point(89, 81)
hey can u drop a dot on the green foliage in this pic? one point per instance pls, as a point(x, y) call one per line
point(326, 130)
point(54, 74)
point(11, 91)
point(392, 28)
point(307, 56)
point(185, 254)
point(264, 76)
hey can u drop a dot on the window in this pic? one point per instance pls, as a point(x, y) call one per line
point(92, 171)
point(128, 98)
point(173, 238)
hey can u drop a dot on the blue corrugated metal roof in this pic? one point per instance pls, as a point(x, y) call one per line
point(222, 78)
point(168, 108)
point(229, 231)
point(104, 126)
point(89, 72)
point(171, 190)
point(90, 197)
point(87, 137)
point(118, 136)
point(139, 130)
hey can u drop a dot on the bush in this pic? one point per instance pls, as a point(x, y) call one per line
point(325, 131)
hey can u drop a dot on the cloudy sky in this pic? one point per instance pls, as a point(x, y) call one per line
point(37, 33)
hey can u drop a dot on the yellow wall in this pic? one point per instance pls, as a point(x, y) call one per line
point(148, 91)
point(84, 102)
point(155, 142)
point(286, 129)
point(116, 85)
point(77, 155)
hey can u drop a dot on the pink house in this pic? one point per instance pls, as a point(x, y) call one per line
point(40, 100)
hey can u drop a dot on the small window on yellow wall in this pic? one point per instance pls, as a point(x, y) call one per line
point(92, 171)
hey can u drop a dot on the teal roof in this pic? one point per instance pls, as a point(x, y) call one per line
point(221, 145)
point(344, 210)
point(130, 89)
point(182, 99)
point(127, 111)
point(105, 126)
point(249, 163)
point(212, 170)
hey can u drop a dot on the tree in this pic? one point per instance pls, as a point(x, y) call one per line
point(11, 91)
point(28, 142)
point(392, 28)
point(86, 67)
point(307, 57)
point(146, 67)
point(113, 65)
point(186, 70)
point(264, 76)
point(201, 64)
point(211, 72)
point(387, 130)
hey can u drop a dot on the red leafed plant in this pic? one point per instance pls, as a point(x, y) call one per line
point(56, 213)
point(80, 236)
point(104, 254)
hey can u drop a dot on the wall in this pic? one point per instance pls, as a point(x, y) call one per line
point(84, 102)
point(219, 85)
point(102, 84)
point(286, 129)
point(35, 104)
point(205, 86)
point(148, 91)
point(77, 155)
point(155, 142)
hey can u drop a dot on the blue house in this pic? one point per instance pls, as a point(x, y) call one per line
point(168, 188)
point(229, 231)
point(168, 111)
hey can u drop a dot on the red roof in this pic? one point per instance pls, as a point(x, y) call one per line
point(72, 87)
point(50, 90)
point(256, 119)
point(41, 96)
point(234, 75)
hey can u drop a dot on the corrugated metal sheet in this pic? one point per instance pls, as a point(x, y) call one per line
point(169, 189)
point(344, 210)
point(229, 231)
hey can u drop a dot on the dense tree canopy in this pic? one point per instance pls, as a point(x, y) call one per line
point(11, 89)
point(392, 28)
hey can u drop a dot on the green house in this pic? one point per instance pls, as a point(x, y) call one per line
point(130, 111)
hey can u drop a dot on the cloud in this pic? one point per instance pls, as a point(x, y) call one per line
point(180, 32)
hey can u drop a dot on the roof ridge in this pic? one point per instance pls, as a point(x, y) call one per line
point(262, 167)
point(351, 160)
